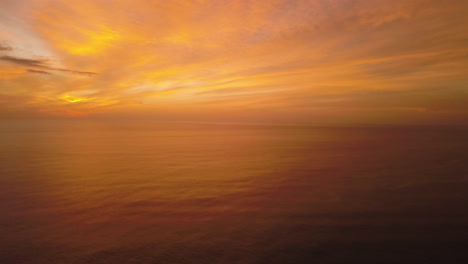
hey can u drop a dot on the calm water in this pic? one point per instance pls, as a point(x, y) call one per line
point(145, 192)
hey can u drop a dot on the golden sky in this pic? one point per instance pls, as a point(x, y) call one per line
point(304, 61)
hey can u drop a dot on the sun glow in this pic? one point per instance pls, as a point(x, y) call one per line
point(73, 99)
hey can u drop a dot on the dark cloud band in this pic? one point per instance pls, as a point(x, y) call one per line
point(37, 63)
point(37, 71)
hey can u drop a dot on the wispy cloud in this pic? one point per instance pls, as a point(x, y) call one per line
point(38, 71)
point(25, 62)
point(5, 48)
point(40, 63)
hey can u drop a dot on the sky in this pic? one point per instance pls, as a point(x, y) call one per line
point(275, 61)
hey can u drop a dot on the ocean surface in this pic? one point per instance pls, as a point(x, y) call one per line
point(90, 192)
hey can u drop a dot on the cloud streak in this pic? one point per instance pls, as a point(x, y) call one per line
point(37, 71)
point(38, 63)
point(5, 48)
point(25, 62)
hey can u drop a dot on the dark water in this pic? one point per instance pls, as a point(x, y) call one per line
point(145, 192)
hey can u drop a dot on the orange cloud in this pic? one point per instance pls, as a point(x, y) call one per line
point(299, 61)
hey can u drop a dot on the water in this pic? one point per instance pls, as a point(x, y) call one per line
point(146, 192)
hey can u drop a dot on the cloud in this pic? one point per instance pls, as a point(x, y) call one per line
point(74, 72)
point(37, 71)
point(40, 64)
point(5, 48)
point(25, 62)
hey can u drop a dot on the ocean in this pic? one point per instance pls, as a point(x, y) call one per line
point(98, 192)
